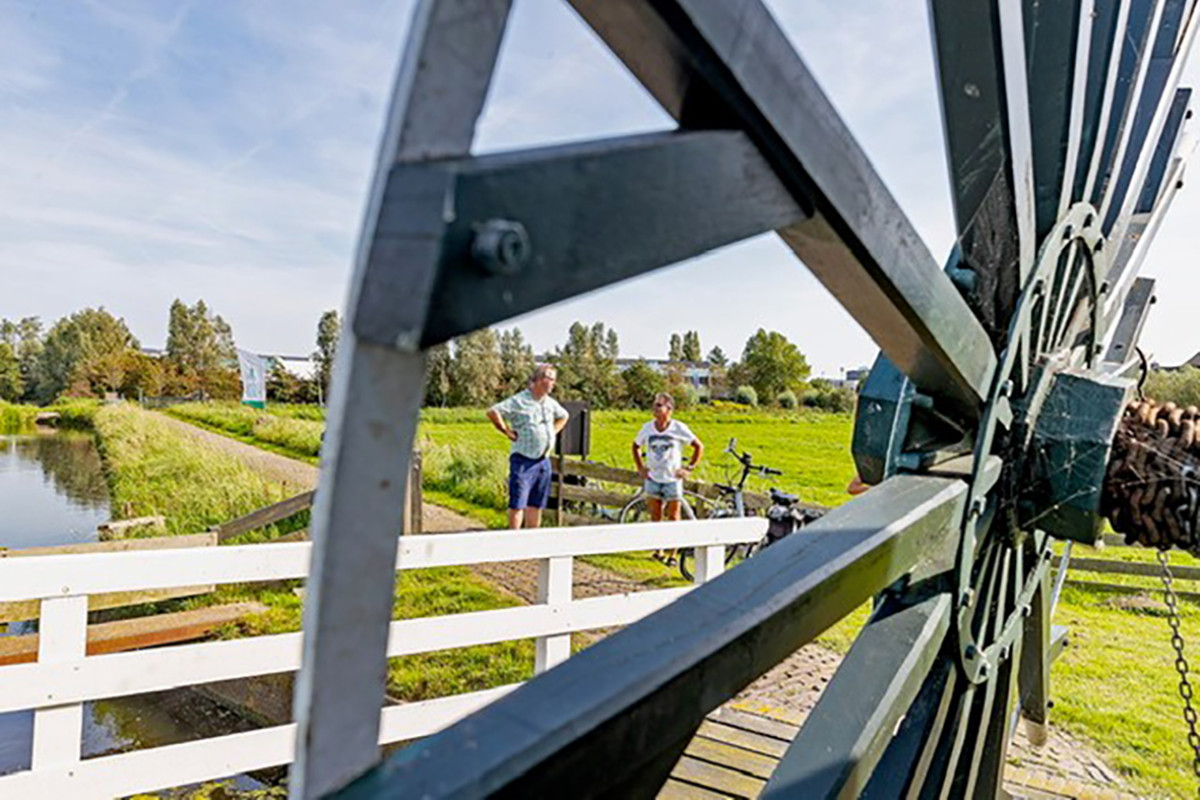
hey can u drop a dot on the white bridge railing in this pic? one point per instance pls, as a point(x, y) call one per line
point(63, 678)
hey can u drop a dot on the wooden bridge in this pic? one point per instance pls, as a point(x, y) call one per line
point(66, 674)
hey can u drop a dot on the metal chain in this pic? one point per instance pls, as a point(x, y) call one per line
point(1181, 664)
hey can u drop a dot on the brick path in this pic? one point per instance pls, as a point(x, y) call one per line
point(1062, 768)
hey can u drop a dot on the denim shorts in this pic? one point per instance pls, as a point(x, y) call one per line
point(664, 490)
point(528, 482)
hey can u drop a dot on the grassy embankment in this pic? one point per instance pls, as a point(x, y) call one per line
point(153, 469)
point(1115, 687)
point(17, 418)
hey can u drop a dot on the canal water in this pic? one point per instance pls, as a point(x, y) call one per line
point(52, 492)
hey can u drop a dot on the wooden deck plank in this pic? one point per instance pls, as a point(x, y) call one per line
point(755, 742)
point(717, 778)
point(133, 634)
point(677, 790)
point(774, 728)
point(735, 758)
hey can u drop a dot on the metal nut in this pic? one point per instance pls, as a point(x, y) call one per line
point(501, 247)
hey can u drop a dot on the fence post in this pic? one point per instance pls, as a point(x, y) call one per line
point(416, 500)
point(58, 731)
point(554, 589)
point(710, 562)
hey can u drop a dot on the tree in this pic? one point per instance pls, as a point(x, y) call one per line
point(517, 361)
point(476, 369)
point(145, 375)
point(772, 364)
point(11, 385)
point(717, 357)
point(691, 347)
point(25, 339)
point(328, 329)
point(675, 350)
point(587, 365)
point(83, 354)
point(201, 351)
point(284, 387)
point(642, 382)
point(438, 378)
point(198, 340)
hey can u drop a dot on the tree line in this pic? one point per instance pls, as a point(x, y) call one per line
point(482, 367)
point(92, 352)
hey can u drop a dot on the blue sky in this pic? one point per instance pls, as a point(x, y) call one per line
point(153, 150)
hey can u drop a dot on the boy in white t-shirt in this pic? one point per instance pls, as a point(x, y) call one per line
point(658, 454)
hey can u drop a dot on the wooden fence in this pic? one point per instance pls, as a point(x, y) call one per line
point(609, 498)
point(278, 512)
point(1104, 566)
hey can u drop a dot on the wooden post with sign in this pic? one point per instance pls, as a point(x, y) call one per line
point(575, 439)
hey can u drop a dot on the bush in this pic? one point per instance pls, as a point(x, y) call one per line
point(1181, 386)
point(745, 395)
point(17, 418)
point(686, 396)
point(788, 399)
point(825, 396)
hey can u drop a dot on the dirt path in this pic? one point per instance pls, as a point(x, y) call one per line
point(1062, 768)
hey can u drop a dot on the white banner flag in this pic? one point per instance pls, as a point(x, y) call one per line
point(254, 378)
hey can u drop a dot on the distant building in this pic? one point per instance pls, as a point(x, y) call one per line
point(852, 378)
point(696, 373)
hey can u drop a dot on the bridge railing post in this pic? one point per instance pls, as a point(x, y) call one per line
point(58, 731)
point(554, 589)
point(710, 562)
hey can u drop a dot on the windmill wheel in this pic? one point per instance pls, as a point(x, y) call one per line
point(1061, 121)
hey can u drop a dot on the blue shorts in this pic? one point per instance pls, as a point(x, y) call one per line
point(668, 490)
point(528, 482)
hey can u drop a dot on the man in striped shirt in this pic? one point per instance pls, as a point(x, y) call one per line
point(530, 419)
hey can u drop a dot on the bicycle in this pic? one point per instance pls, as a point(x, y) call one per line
point(784, 515)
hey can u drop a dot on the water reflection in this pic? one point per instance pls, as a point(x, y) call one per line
point(52, 490)
point(114, 726)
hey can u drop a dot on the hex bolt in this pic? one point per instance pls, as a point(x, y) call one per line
point(1007, 389)
point(501, 247)
point(971, 652)
point(967, 598)
point(984, 669)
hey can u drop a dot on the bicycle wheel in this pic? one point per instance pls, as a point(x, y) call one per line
point(636, 510)
point(687, 559)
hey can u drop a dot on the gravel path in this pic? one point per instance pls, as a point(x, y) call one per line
point(1064, 767)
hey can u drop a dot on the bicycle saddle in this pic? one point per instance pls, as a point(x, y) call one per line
point(783, 498)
